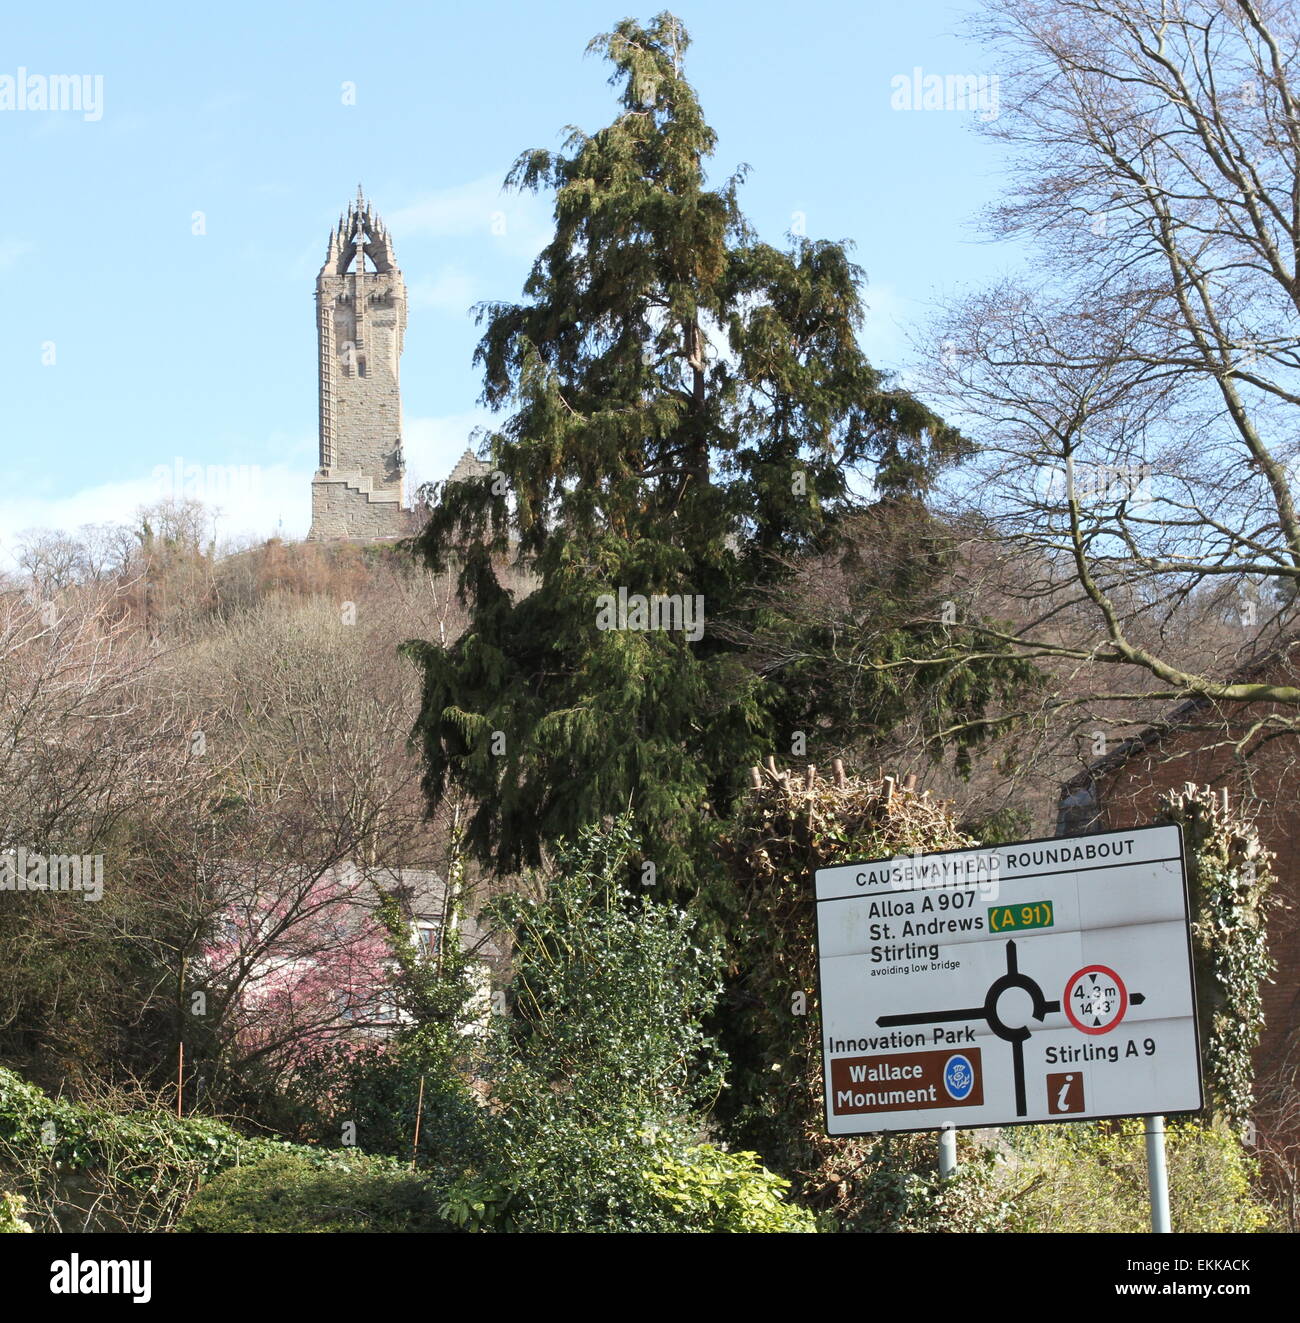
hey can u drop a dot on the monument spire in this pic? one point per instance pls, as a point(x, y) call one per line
point(361, 322)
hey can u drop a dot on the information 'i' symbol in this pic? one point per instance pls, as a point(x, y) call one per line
point(1065, 1093)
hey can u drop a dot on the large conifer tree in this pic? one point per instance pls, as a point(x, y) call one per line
point(682, 401)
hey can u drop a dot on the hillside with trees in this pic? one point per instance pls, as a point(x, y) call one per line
point(432, 897)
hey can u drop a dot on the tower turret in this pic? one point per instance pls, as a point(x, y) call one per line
point(360, 323)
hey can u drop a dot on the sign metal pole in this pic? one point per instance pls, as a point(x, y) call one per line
point(948, 1151)
point(1157, 1174)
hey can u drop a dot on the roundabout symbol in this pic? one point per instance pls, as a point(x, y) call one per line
point(1098, 993)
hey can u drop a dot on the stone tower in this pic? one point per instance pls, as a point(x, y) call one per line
point(360, 322)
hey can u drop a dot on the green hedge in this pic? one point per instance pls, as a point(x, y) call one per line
point(716, 1191)
point(81, 1167)
point(293, 1192)
point(74, 1137)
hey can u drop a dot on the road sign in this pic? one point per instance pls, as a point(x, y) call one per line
point(1025, 982)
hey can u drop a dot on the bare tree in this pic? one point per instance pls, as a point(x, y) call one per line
point(246, 775)
point(51, 560)
point(1138, 403)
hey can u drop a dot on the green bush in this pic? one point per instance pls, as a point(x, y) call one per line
point(11, 1213)
point(291, 1192)
point(1093, 1178)
point(1231, 880)
point(375, 1091)
point(610, 990)
point(660, 1185)
point(713, 1190)
point(604, 1065)
point(74, 1137)
point(894, 1186)
point(1084, 1177)
point(558, 1165)
point(86, 1168)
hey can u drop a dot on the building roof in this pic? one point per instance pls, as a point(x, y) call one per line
point(469, 466)
point(423, 892)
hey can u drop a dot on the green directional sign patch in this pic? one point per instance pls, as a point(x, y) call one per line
point(1016, 918)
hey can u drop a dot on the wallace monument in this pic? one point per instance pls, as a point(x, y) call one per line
point(360, 322)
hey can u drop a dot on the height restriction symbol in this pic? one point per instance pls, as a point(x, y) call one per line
point(1096, 1000)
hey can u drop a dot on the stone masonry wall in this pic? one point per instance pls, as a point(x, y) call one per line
point(341, 511)
point(361, 324)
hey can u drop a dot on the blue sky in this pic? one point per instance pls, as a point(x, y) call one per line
point(130, 341)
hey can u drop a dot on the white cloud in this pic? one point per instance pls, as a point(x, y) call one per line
point(519, 222)
point(12, 251)
point(251, 501)
point(451, 290)
point(433, 445)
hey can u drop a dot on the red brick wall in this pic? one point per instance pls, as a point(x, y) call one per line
point(1269, 792)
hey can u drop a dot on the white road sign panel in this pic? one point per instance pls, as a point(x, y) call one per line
point(1036, 981)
